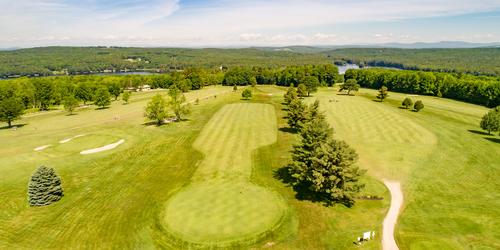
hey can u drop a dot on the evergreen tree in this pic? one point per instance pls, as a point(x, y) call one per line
point(235, 88)
point(102, 98)
point(156, 109)
point(10, 109)
point(301, 90)
point(382, 93)
point(407, 102)
point(297, 114)
point(70, 103)
point(290, 95)
point(419, 105)
point(44, 187)
point(177, 104)
point(491, 121)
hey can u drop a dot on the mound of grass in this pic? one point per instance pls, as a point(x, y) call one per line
point(221, 207)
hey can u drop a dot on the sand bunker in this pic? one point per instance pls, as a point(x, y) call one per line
point(42, 147)
point(104, 148)
point(69, 139)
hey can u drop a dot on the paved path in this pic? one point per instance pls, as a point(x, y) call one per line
point(388, 242)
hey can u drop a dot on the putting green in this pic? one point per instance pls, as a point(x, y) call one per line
point(221, 206)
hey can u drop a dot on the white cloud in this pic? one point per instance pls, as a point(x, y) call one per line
point(220, 22)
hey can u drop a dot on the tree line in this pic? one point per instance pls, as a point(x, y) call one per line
point(475, 61)
point(481, 90)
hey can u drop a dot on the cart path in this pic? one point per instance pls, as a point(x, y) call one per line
point(388, 241)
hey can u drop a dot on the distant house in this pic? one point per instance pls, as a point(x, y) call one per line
point(145, 87)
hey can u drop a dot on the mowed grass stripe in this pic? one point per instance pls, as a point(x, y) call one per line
point(221, 207)
point(229, 138)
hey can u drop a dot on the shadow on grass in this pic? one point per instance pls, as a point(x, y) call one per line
point(102, 108)
point(302, 191)
point(71, 114)
point(403, 108)
point(478, 132)
point(346, 94)
point(14, 126)
point(377, 100)
point(495, 140)
point(288, 130)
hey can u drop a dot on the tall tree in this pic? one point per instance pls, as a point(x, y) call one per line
point(177, 103)
point(10, 109)
point(102, 98)
point(44, 187)
point(290, 94)
point(70, 103)
point(349, 85)
point(114, 89)
point(382, 93)
point(296, 115)
point(84, 92)
point(302, 90)
point(311, 83)
point(156, 109)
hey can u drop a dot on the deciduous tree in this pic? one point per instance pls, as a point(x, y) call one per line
point(350, 85)
point(70, 103)
point(382, 93)
point(246, 94)
point(419, 105)
point(176, 103)
point(407, 102)
point(10, 109)
point(156, 109)
point(102, 98)
point(491, 121)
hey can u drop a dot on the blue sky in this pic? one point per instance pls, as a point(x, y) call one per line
point(28, 23)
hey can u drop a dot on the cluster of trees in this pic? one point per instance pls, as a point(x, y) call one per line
point(491, 121)
point(481, 90)
point(158, 108)
point(324, 166)
point(476, 61)
point(89, 60)
point(44, 187)
point(408, 102)
point(317, 75)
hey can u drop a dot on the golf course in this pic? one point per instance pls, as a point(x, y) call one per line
point(214, 179)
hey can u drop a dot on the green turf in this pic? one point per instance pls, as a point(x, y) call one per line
point(446, 165)
point(221, 206)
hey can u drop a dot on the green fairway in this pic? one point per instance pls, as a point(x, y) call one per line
point(446, 166)
point(221, 207)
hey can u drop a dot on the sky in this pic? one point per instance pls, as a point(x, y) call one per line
point(240, 23)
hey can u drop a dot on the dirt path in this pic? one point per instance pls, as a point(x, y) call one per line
point(388, 242)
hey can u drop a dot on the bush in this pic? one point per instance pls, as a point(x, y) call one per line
point(491, 121)
point(407, 102)
point(246, 94)
point(419, 105)
point(44, 187)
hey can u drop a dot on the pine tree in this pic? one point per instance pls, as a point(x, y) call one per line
point(290, 95)
point(44, 187)
point(301, 90)
point(297, 114)
point(382, 93)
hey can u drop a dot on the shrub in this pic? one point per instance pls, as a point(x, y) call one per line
point(246, 94)
point(419, 105)
point(407, 102)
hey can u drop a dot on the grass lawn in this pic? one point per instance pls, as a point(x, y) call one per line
point(226, 159)
point(447, 167)
point(221, 207)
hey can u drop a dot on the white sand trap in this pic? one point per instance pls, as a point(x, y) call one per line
point(388, 242)
point(104, 148)
point(69, 139)
point(42, 147)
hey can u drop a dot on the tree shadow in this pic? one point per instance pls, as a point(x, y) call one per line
point(14, 126)
point(303, 192)
point(345, 94)
point(102, 108)
point(71, 114)
point(288, 130)
point(478, 132)
point(153, 123)
point(377, 100)
point(495, 140)
point(403, 108)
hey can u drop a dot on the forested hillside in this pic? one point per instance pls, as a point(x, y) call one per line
point(84, 60)
point(478, 61)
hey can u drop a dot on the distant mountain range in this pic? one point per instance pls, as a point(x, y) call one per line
point(419, 45)
point(322, 48)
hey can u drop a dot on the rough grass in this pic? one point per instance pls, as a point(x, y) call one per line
point(221, 207)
